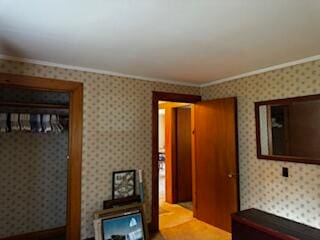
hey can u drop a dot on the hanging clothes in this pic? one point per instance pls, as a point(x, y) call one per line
point(46, 125)
point(35, 122)
point(25, 122)
point(4, 122)
point(14, 122)
point(55, 123)
point(59, 123)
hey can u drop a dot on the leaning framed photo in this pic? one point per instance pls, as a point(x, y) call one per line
point(123, 184)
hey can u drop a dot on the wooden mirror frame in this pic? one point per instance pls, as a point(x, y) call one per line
point(307, 160)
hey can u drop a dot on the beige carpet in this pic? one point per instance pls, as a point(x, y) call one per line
point(192, 230)
point(162, 211)
point(178, 224)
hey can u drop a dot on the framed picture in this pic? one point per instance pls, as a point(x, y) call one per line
point(123, 184)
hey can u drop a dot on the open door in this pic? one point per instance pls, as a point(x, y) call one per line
point(215, 161)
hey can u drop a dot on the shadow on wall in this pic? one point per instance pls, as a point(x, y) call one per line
point(9, 49)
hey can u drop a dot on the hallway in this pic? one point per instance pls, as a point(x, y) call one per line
point(177, 223)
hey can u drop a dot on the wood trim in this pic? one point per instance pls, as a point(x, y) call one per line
point(175, 97)
point(193, 162)
point(269, 126)
point(237, 149)
point(75, 89)
point(46, 234)
point(166, 105)
point(37, 83)
point(276, 102)
point(282, 101)
point(75, 163)
point(156, 97)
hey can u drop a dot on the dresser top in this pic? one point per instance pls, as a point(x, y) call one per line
point(279, 227)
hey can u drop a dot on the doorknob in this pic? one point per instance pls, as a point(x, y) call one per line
point(231, 175)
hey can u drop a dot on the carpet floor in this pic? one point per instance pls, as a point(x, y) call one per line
point(177, 223)
point(187, 205)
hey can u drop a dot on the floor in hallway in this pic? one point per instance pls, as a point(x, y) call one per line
point(187, 205)
point(177, 223)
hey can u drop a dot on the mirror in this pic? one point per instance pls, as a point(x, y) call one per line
point(289, 129)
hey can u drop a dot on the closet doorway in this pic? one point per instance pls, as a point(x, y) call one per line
point(74, 91)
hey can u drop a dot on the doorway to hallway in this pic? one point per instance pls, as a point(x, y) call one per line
point(214, 167)
point(175, 165)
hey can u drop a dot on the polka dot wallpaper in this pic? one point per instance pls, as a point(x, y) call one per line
point(33, 182)
point(117, 129)
point(261, 183)
point(117, 136)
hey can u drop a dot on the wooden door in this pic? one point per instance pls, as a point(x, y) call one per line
point(216, 182)
point(171, 155)
point(184, 173)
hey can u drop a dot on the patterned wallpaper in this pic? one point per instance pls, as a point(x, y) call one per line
point(33, 170)
point(117, 135)
point(117, 129)
point(261, 183)
point(32, 182)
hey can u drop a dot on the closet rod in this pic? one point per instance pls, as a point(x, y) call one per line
point(33, 105)
point(20, 107)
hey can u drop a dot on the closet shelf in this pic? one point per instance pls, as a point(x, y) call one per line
point(21, 107)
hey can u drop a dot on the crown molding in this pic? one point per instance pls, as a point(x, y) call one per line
point(262, 70)
point(93, 70)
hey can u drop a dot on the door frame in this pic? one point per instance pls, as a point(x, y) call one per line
point(75, 90)
point(156, 97)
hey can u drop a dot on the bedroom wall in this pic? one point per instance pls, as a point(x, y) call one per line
point(261, 183)
point(33, 166)
point(117, 129)
point(117, 135)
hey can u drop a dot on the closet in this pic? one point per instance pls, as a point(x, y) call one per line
point(34, 150)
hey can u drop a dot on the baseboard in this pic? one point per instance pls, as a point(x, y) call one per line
point(50, 233)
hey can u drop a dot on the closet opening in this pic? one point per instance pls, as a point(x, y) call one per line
point(40, 155)
point(34, 154)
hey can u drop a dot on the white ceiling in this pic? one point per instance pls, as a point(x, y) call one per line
point(192, 41)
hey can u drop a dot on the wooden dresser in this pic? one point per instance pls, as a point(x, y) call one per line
point(253, 224)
